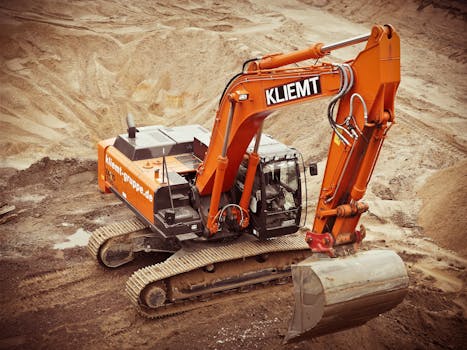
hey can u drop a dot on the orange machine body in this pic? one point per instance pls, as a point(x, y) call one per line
point(137, 181)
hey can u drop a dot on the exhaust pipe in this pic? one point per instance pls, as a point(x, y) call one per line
point(130, 122)
point(333, 294)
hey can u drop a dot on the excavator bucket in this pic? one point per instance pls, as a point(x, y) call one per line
point(333, 294)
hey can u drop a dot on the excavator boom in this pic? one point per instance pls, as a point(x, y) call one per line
point(364, 92)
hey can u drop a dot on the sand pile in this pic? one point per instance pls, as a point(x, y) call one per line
point(70, 74)
point(443, 212)
point(67, 85)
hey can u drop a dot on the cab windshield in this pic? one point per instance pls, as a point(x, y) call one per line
point(281, 184)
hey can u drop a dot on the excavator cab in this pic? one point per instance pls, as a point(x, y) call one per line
point(275, 205)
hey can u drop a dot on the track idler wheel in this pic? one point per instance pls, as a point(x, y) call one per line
point(115, 254)
point(333, 294)
point(154, 295)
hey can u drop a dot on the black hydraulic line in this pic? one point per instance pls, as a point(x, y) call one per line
point(248, 61)
point(228, 84)
point(236, 76)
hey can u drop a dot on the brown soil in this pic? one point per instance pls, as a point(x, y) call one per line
point(70, 72)
point(444, 202)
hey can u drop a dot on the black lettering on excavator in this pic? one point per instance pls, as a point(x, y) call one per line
point(293, 91)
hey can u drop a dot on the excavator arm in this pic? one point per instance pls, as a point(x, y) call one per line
point(365, 114)
point(248, 101)
point(363, 90)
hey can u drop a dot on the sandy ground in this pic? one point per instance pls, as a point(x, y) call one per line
point(71, 71)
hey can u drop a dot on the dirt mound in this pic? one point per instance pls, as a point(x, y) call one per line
point(444, 201)
point(51, 172)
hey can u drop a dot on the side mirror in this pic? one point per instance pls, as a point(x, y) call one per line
point(313, 167)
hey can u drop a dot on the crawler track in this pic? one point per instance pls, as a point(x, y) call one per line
point(293, 246)
point(101, 235)
point(179, 275)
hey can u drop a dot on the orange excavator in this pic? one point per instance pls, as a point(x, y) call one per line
point(224, 207)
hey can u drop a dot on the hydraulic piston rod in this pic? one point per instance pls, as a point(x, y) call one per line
point(344, 43)
point(316, 50)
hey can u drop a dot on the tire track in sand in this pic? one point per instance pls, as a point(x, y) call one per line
point(63, 288)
